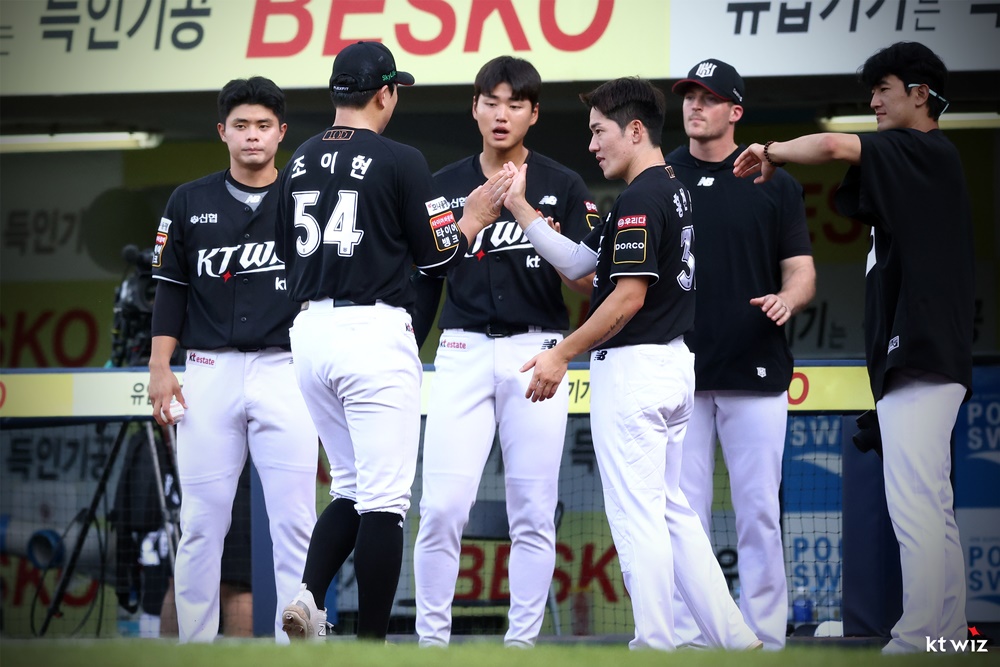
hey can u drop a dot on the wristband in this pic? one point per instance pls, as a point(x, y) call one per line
point(767, 156)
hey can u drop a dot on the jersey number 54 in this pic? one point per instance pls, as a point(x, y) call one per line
point(340, 229)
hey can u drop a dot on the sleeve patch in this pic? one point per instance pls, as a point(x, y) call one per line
point(591, 206)
point(630, 247)
point(439, 205)
point(631, 221)
point(445, 230)
point(165, 225)
point(161, 241)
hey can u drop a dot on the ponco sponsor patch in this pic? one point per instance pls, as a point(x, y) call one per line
point(630, 247)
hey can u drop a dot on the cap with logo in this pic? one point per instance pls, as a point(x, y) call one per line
point(366, 66)
point(719, 78)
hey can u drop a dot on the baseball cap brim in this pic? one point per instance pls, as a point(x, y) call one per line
point(681, 86)
point(404, 78)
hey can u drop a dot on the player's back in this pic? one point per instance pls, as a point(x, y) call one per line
point(355, 210)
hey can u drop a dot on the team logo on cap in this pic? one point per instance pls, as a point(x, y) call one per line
point(706, 69)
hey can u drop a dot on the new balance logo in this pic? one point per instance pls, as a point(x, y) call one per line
point(705, 182)
point(549, 343)
point(548, 199)
point(893, 344)
point(600, 355)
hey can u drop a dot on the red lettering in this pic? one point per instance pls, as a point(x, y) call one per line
point(591, 571)
point(500, 573)
point(443, 12)
point(562, 579)
point(25, 336)
point(481, 10)
point(90, 343)
point(85, 598)
point(262, 11)
point(339, 9)
point(565, 42)
point(472, 572)
point(803, 391)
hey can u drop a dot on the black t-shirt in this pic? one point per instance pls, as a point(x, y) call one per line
point(223, 251)
point(744, 231)
point(356, 210)
point(502, 279)
point(920, 285)
point(649, 233)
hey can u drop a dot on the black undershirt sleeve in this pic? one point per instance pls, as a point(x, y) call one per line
point(169, 309)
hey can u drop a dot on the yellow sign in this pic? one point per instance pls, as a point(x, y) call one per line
point(123, 392)
point(170, 45)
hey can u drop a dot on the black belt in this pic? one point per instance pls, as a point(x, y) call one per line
point(286, 348)
point(340, 303)
point(500, 330)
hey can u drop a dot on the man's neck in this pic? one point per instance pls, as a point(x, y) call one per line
point(712, 150)
point(492, 160)
point(254, 177)
point(646, 158)
point(361, 119)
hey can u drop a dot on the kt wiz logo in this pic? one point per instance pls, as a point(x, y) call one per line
point(972, 645)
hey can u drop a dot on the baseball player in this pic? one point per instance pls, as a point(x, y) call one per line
point(221, 294)
point(504, 303)
point(357, 210)
point(642, 374)
point(755, 270)
point(906, 182)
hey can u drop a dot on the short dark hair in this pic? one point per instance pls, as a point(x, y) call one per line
point(357, 99)
point(524, 80)
point(255, 90)
point(627, 99)
point(913, 63)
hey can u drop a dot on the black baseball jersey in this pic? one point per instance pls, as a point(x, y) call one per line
point(356, 211)
point(223, 251)
point(920, 287)
point(649, 232)
point(744, 231)
point(502, 279)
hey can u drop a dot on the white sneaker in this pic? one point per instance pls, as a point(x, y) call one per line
point(301, 619)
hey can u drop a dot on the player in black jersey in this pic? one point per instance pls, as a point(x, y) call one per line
point(221, 294)
point(642, 374)
point(504, 303)
point(755, 270)
point(906, 182)
point(356, 211)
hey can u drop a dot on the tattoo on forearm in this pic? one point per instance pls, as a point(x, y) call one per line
point(615, 327)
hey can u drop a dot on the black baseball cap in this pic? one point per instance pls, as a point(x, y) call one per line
point(366, 66)
point(719, 78)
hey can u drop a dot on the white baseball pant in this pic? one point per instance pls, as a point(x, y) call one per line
point(751, 427)
point(239, 401)
point(477, 385)
point(360, 376)
point(641, 399)
point(916, 415)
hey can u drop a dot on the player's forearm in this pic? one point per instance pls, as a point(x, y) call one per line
point(817, 149)
point(162, 349)
point(610, 317)
point(572, 260)
point(798, 282)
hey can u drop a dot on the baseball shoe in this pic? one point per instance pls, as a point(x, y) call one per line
point(301, 619)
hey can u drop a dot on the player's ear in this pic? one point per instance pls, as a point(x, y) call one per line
point(281, 131)
point(534, 115)
point(735, 113)
point(475, 103)
point(635, 130)
point(222, 131)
